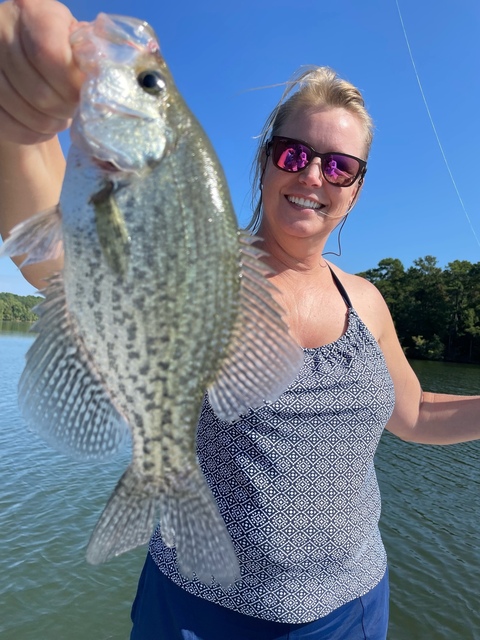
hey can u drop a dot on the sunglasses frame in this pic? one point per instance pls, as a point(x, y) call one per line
point(362, 169)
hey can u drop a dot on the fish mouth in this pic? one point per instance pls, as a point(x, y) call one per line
point(118, 38)
point(106, 165)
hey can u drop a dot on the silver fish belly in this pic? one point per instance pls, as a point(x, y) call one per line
point(161, 299)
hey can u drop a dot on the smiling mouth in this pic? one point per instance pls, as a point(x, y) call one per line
point(305, 203)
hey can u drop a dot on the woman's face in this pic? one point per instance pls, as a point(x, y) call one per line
point(304, 204)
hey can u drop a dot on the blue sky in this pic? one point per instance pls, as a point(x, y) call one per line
point(219, 51)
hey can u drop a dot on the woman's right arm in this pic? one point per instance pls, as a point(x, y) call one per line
point(39, 87)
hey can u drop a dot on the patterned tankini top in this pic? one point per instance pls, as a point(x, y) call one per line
point(295, 483)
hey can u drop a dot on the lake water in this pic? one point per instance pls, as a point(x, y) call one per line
point(49, 505)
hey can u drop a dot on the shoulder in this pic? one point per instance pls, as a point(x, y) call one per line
point(367, 301)
point(371, 307)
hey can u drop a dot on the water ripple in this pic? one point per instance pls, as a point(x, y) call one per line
point(49, 505)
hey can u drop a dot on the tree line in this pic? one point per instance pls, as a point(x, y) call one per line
point(15, 308)
point(436, 311)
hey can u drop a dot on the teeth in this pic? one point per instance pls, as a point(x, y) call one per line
point(310, 204)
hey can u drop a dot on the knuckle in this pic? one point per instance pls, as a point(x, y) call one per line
point(43, 99)
point(28, 127)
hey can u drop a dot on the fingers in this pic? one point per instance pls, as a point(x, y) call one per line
point(39, 81)
point(15, 130)
point(45, 28)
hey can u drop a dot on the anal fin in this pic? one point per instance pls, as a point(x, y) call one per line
point(61, 395)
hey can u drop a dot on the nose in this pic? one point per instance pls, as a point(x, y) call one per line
point(312, 175)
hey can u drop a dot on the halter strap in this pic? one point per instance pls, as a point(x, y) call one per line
point(340, 288)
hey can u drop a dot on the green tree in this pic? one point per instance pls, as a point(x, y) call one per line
point(389, 278)
point(428, 305)
point(15, 308)
point(436, 312)
point(458, 282)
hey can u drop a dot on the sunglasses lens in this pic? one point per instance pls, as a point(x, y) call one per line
point(291, 156)
point(339, 169)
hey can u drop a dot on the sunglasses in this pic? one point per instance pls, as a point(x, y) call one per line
point(339, 169)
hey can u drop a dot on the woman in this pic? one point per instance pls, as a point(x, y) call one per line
point(294, 480)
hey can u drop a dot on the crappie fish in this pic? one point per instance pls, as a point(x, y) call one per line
point(161, 299)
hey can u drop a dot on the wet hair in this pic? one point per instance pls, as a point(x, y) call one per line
point(309, 88)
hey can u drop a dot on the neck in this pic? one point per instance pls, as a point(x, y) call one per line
point(293, 254)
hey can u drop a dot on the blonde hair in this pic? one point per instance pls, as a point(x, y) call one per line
point(312, 87)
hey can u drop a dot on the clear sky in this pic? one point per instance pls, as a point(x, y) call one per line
point(219, 51)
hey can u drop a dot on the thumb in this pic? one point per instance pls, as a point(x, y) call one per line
point(44, 28)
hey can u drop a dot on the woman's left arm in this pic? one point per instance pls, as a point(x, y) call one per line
point(419, 416)
point(446, 419)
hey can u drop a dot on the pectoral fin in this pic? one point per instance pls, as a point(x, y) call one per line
point(111, 229)
point(39, 237)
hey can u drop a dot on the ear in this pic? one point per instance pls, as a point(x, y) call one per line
point(265, 154)
point(263, 158)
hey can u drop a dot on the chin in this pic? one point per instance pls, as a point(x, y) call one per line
point(306, 226)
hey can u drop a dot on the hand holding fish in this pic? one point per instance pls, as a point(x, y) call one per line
point(39, 80)
point(39, 90)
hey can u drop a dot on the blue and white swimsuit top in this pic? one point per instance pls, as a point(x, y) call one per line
point(295, 483)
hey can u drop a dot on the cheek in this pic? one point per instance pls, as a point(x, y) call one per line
point(340, 199)
point(269, 175)
point(272, 182)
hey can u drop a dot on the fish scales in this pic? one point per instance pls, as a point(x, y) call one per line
point(186, 280)
point(161, 299)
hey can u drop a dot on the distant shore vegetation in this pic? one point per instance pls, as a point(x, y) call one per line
point(15, 308)
point(436, 311)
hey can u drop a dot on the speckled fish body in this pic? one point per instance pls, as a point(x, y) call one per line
point(161, 298)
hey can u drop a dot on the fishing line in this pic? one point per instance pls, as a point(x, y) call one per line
point(433, 125)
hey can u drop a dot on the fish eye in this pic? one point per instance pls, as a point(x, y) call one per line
point(151, 81)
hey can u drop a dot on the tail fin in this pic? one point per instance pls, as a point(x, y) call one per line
point(204, 546)
point(189, 518)
point(126, 522)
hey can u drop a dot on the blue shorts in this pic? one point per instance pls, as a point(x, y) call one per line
point(164, 611)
